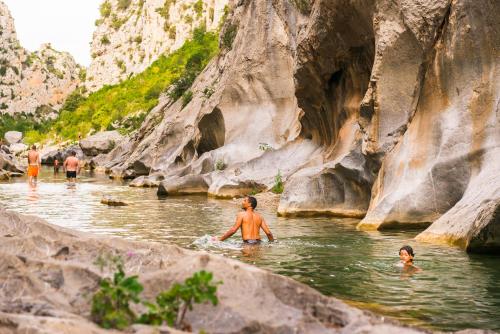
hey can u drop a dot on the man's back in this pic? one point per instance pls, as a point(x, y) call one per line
point(71, 164)
point(33, 157)
point(250, 226)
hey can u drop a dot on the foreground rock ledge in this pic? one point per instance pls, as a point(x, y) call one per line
point(48, 280)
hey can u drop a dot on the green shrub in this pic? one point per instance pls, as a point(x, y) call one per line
point(211, 14)
point(165, 9)
point(304, 6)
point(105, 40)
point(138, 39)
point(198, 8)
point(229, 35)
point(220, 165)
point(124, 4)
point(172, 32)
point(116, 22)
point(171, 305)
point(105, 9)
point(208, 92)
point(188, 19)
point(186, 98)
point(3, 70)
point(278, 184)
point(82, 74)
point(134, 96)
point(265, 147)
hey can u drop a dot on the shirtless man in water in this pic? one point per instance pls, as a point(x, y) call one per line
point(250, 223)
point(71, 166)
point(34, 165)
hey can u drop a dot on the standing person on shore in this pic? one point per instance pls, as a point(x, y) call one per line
point(72, 167)
point(34, 165)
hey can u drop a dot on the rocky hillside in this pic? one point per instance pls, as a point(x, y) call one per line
point(379, 110)
point(132, 34)
point(32, 82)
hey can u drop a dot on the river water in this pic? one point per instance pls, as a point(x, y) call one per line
point(454, 291)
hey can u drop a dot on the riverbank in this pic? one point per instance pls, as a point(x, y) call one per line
point(49, 276)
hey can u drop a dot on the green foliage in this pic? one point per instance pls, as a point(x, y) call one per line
point(208, 92)
point(3, 70)
point(186, 98)
point(124, 4)
point(198, 8)
point(188, 19)
point(105, 40)
point(228, 36)
point(172, 32)
point(220, 165)
point(116, 22)
point(133, 97)
point(111, 303)
point(278, 184)
point(138, 39)
point(171, 305)
point(165, 9)
point(304, 6)
point(27, 124)
point(82, 74)
point(211, 14)
point(105, 9)
point(265, 147)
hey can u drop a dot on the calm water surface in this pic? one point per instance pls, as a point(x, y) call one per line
point(454, 290)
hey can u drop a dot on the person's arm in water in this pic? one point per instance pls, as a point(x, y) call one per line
point(234, 229)
point(266, 230)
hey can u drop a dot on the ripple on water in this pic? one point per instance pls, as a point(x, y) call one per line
point(454, 290)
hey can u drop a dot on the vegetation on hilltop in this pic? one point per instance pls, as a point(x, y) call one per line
point(126, 103)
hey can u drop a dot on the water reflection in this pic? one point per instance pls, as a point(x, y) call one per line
point(453, 291)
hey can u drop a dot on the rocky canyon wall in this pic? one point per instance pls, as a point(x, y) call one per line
point(32, 82)
point(132, 34)
point(382, 110)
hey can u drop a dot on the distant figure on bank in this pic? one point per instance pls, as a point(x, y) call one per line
point(56, 166)
point(72, 167)
point(250, 223)
point(34, 165)
point(406, 256)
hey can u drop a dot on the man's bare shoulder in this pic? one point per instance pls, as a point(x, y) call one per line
point(241, 214)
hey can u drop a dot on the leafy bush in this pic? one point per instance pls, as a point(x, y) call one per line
point(278, 184)
point(198, 8)
point(105, 40)
point(229, 35)
point(208, 92)
point(304, 6)
point(124, 4)
point(220, 165)
point(134, 96)
point(105, 9)
point(111, 303)
point(171, 305)
point(265, 147)
point(186, 98)
point(165, 9)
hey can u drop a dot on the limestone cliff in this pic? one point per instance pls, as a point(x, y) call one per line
point(32, 82)
point(131, 34)
point(382, 110)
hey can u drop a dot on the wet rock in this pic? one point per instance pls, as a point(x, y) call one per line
point(60, 289)
point(151, 181)
point(10, 163)
point(187, 185)
point(4, 175)
point(13, 137)
point(112, 201)
point(102, 142)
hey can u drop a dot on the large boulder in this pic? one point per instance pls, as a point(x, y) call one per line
point(61, 154)
point(102, 142)
point(9, 163)
point(18, 148)
point(13, 137)
point(50, 273)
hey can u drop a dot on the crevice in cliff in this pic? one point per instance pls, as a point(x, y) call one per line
point(212, 132)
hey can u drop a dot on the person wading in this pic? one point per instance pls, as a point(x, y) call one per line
point(72, 167)
point(250, 223)
point(34, 165)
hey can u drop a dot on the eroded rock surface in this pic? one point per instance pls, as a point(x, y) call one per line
point(32, 82)
point(378, 110)
point(47, 272)
point(102, 142)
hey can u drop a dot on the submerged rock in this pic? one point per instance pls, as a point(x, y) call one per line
point(102, 142)
point(43, 291)
point(112, 201)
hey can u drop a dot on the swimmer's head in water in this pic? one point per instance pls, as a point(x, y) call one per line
point(249, 201)
point(406, 254)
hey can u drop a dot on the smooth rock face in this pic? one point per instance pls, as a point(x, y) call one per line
point(13, 137)
point(111, 201)
point(50, 154)
point(18, 148)
point(32, 82)
point(101, 142)
point(130, 39)
point(366, 109)
point(49, 273)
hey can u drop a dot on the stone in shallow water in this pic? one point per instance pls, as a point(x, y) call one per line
point(111, 201)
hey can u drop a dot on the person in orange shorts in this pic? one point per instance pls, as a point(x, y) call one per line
point(34, 165)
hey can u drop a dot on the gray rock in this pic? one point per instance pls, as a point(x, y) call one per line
point(13, 137)
point(112, 201)
point(102, 142)
point(18, 148)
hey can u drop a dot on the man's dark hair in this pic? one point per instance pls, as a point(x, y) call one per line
point(253, 201)
point(33, 147)
point(72, 153)
point(408, 249)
